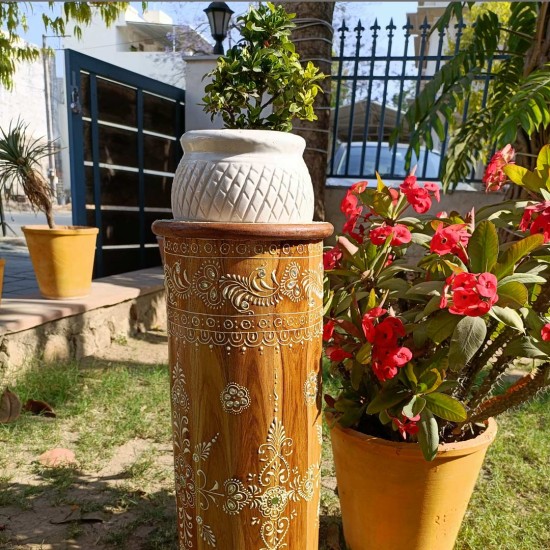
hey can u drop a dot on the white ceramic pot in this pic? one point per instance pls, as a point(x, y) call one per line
point(242, 176)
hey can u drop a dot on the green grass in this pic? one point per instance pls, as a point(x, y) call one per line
point(103, 406)
point(510, 506)
point(509, 509)
point(99, 408)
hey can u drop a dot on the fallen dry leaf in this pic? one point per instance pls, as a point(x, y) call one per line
point(55, 458)
point(80, 517)
point(10, 407)
point(35, 406)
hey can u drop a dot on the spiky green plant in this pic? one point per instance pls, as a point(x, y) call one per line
point(20, 156)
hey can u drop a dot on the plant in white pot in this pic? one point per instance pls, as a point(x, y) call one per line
point(62, 256)
point(253, 170)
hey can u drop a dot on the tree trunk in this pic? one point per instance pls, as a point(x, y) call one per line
point(313, 40)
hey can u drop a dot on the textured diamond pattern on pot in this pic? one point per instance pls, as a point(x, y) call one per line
point(239, 192)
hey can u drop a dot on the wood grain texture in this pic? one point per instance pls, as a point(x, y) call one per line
point(254, 231)
point(245, 328)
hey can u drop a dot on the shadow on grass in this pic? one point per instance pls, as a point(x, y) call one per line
point(89, 512)
point(331, 536)
point(152, 337)
point(100, 407)
point(75, 511)
point(62, 383)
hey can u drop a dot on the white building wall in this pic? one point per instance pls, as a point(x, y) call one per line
point(26, 101)
point(195, 117)
point(112, 45)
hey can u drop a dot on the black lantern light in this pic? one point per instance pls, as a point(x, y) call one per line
point(219, 14)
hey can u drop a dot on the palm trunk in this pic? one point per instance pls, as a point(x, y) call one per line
point(313, 40)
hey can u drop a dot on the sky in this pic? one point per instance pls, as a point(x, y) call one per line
point(191, 13)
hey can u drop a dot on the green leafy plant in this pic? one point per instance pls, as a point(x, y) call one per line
point(260, 83)
point(20, 157)
point(516, 109)
point(420, 345)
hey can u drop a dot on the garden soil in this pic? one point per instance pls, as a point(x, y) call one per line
point(69, 509)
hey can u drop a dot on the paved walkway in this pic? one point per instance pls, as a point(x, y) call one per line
point(23, 307)
point(19, 279)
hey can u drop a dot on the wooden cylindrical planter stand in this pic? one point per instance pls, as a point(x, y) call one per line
point(245, 325)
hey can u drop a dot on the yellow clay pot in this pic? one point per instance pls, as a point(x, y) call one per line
point(393, 499)
point(63, 259)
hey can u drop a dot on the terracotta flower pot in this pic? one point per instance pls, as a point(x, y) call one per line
point(62, 258)
point(242, 176)
point(393, 499)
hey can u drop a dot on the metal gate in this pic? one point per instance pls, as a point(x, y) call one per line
point(372, 84)
point(124, 132)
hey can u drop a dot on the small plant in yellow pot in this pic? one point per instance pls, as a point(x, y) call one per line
point(62, 256)
point(420, 343)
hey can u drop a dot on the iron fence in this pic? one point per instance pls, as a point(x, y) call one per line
point(377, 70)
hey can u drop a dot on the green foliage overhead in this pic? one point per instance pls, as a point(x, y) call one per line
point(13, 20)
point(519, 98)
point(260, 83)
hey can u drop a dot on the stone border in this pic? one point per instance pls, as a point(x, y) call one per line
point(121, 305)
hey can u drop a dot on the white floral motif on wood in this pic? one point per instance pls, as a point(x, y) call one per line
point(235, 398)
point(203, 284)
point(259, 290)
point(319, 429)
point(191, 485)
point(251, 326)
point(271, 491)
point(208, 249)
point(243, 292)
point(311, 388)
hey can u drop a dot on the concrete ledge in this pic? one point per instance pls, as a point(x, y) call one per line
point(118, 306)
point(17, 314)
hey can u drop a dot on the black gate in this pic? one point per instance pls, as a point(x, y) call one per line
point(124, 132)
point(372, 83)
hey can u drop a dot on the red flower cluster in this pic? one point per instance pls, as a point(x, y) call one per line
point(399, 232)
point(337, 354)
point(451, 239)
point(473, 294)
point(540, 223)
point(328, 330)
point(494, 177)
point(331, 258)
point(545, 332)
point(419, 197)
point(352, 209)
point(407, 425)
point(387, 355)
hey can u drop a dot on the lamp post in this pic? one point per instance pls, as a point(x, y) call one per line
point(219, 14)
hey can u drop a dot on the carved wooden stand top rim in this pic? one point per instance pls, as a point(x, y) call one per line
point(253, 231)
